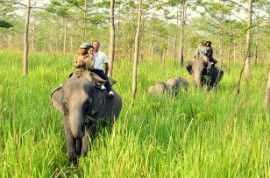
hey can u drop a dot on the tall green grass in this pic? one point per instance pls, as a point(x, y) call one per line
point(195, 134)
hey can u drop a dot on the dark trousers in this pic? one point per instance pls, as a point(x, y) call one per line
point(103, 76)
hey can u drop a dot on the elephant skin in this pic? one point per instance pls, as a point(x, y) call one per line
point(172, 86)
point(197, 70)
point(83, 107)
point(175, 84)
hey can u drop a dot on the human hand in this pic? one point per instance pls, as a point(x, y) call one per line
point(81, 63)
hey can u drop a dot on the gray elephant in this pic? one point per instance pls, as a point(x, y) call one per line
point(157, 89)
point(172, 86)
point(175, 84)
point(83, 106)
point(197, 70)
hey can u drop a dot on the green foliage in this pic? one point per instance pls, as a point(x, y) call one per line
point(5, 24)
point(195, 134)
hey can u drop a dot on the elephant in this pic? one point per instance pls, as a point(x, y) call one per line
point(84, 106)
point(197, 70)
point(172, 86)
point(176, 83)
point(157, 89)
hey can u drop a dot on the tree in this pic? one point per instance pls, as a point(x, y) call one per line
point(136, 52)
point(181, 48)
point(26, 45)
point(247, 61)
point(112, 39)
point(267, 93)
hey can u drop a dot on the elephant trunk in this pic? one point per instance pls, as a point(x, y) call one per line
point(197, 78)
point(76, 122)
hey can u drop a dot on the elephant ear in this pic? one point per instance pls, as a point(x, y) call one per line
point(57, 100)
point(97, 102)
point(189, 67)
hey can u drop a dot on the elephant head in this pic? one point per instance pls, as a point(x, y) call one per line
point(196, 69)
point(77, 100)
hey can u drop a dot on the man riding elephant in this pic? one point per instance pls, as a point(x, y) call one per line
point(83, 62)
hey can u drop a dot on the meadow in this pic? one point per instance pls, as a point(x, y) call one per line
point(195, 134)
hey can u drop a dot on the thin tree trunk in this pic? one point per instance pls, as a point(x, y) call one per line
point(141, 38)
point(221, 51)
point(84, 20)
point(241, 51)
point(234, 50)
point(9, 39)
point(256, 48)
point(112, 39)
point(247, 66)
point(229, 50)
point(229, 56)
point(136, 52)
point(71, 44)
point(163, 57)
point(175, 37)
point(26, 45)
point(65, 35)
point(267, 93)
point(181, 49)
point(33, 34)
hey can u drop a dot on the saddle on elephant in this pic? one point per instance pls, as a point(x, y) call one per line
point(92, 76)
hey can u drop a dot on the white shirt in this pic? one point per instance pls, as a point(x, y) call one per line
point(99, 60)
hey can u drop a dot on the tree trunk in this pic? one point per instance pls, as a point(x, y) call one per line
point(26, 45)
point(65, 36)
point(181, 49)
point(112, 39)
point(229, 49)
point(247, 66)
point(84, 20)
point(234, 50)
point(71, 44)
point(267, 93)
point(163, 57)
point(256, 48)
point(221, 51)
point(9, 39)
point(229, 56)
point(175, 37)
point(141, 38)
point(33, 34)
point(241, 51)
point(136, 52)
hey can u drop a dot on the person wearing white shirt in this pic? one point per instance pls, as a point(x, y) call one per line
point(99, 60)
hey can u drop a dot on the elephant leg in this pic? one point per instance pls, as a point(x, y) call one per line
point(78, 146)
point(85, 143)
point(70, 141)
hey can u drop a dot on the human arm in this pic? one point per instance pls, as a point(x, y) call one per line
point(90, 64)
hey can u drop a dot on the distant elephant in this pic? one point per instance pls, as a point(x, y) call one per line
point(177, 83)
point(172, 86)
point(197, 69)
point(157, 89)
point(83, 106)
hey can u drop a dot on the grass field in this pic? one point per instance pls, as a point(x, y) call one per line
point(196, 134)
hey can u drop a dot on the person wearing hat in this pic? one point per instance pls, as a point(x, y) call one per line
point(83, 62)
point(201, 51)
